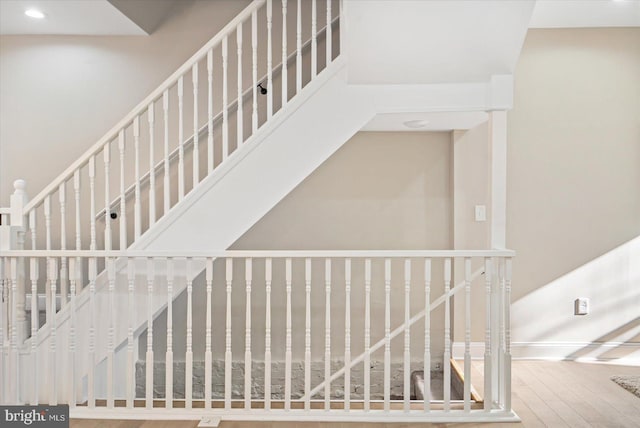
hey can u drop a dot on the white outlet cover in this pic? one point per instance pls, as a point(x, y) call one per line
point(581, 306)
point(481, 213)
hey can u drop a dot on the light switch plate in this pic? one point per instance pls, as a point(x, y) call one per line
point(481, 213)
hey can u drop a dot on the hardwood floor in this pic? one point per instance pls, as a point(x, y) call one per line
point(545, 394)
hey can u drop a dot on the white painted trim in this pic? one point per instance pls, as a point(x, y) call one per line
point(554, 350)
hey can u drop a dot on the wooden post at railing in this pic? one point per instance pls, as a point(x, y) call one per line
point(427, 335)
point(3, 332)
point(467, 335)
point(180, 138)
point(208, 358)
point(92, 202)
point(407, 336)
point(169, 353)
point(111, 278)
point(227, 354)
point(225, 98)
point(327, 335)
point(64, 276)
point(107, 203)
point(47, 222)
point(287, 352)
point(123, 199)
point(137, 216)
point(131, 364)
point(32, 229)
point(35, 325)
point(188, 358)
point(314, 39)
point(283, 73)
point(93, 271)
point(446, 364)
point(254, 71)
point(329, 36)
point(210, 157)
point(307, 334)
point(240, 106)
point(507, 334)
point(76, 191)
point(152, 172)
point(166, 185)
point(74, 272)
point(347, 335)
point(14, 364)
point(267, 335)
point(387, 334)
point(247, 335)
point(149, 354)
point(196, 132)
point(52, 369)
point(269, 59)
point(298, 47)
point(367, 334)
point(18, 221)
point(488, 395)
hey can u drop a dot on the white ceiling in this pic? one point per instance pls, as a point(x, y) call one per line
point(441, 121)
point(585, 13)
point(72, 17)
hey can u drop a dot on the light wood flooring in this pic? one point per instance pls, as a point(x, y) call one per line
point(545, 394)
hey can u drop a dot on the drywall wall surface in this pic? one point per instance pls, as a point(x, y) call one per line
point(574, 190)
point(61, 93)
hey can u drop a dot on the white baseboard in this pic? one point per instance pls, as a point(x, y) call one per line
point(572, 351)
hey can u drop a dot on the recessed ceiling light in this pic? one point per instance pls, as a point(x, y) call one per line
point(420, 123)
point(34, 13)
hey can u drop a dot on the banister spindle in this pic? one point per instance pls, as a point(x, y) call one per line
point(298, 47)
point(507, 333)
point(329, 35)
point(106, 153)
point(347, 334)
point(387, 335)
point(227, 354)
point(76, 193)
point(152, 162)
point(287, 352)
point(247, 336)
point(269, 59)
point(367, 334)
point(93, 271)
point(307, 335)
point(35, 325)
point(111, 277)
point(47, 222)
point(196, 132)
point(446, 364)
point(427, 335)
point(3, 332)
point(488, 396)
point(240, 104)
point(131, 364)
point(407, 335)
point(210, 157)
point(225, 99)
point(169, 353)
point(136, 204)
point(149, 353)
point(327, 335)
point(32, 229)
point(180, 138)
point(64, 275)
point(267, 335)
point(123, 199)
point(166, 185)
point(254, 70)
point(188, 358)
point(208, 361)
point(467, 335)
point(314, 38)
point(52, 370)
point(75, 270)
point(92, 201)
point(283, 72)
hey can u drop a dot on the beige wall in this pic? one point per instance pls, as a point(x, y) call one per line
point(60, 94)
point(574, 186)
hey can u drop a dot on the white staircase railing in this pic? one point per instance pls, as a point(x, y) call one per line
point(267, 335)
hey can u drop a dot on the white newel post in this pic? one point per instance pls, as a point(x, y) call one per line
point(19, 226)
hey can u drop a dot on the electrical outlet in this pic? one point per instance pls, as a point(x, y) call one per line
point(581, 306)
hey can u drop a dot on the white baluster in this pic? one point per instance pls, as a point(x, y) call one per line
point(314, 39)
point(210, 157)
point(225, 99)
point(74, 270)
point(76, 190)
point(267, 336)
point(446, 364)
point(407, 334)
point(111, 276)
point(152, 162)
point(32, 228)
point(93, 271)
point(227, 354)
point(488, 396)
point(240, 104)
point(327, 335)
point(347, 334)
point(123, 200)
point(247, 336)
point(92, 201)
point(35, 325)
point(427, 335)
point(507, 334)
point(64, 276)
point(467, 335)
point(329, 35)
point(3, 329)
point(47, 222)
point(196, 132)
point(287, 352)
point(149, 353)
point(367, 334)
point(14, 345)
point(169, 353)
point(283, 73)
point(207, 352)
point(166, 185)
point(269, 59)
point(131, 364)
point(180, 138)
point(188, 358)
point(307, 335)
point(254, 70)
point(107, 203)
point(387, 334)
point(136, 204)
point(298, 47)
point(52, 370)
